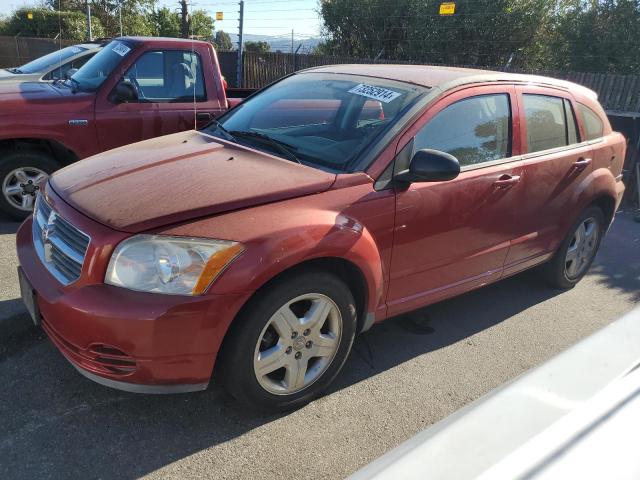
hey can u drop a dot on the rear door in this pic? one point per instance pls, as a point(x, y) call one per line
point(173, 96)
point(453, 236)
point(556, 162)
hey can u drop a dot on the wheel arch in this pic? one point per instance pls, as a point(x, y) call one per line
point(57, 150)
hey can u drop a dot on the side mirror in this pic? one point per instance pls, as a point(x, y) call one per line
point(123, 93)
point(70, 73)
point(430, 166)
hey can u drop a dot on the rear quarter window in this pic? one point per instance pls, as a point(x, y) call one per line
point(593, 126)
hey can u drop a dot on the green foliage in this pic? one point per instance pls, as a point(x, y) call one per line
point(201, 25)
point(595, 35)
point(222, 41)
point(136, 15)
point(257, 47)
point(48, 23)
point(167, 23)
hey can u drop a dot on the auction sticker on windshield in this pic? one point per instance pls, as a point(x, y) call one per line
point(377, 93)
point(121, 49)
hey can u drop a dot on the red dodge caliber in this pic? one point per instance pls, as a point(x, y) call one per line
point(335, 198)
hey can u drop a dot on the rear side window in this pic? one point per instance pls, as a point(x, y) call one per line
point(593, 126)
point(474, 130)
point(550, 122)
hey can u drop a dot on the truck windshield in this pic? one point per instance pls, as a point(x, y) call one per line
point(52, 59)
point(95, 71)
point(321, 119)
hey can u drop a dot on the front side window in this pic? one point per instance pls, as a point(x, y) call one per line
point(475, 130)
point(593, 126)
point(167, 76)
point(550, 122)
point(61, 72)
point(320, 119)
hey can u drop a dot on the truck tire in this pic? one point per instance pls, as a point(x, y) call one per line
point(20, 173)
point(577, 251)
point(290, 342)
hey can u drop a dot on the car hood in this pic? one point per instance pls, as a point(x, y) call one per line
point(179, 177)
point(31, 98)
point(5, 75)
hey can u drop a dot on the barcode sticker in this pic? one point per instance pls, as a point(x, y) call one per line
point(121, 49)
point(377, 93)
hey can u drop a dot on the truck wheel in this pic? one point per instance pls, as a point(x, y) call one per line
point(576, 253)
point(290, 342)
point(20, 173)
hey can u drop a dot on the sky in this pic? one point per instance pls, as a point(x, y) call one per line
point(262, 17)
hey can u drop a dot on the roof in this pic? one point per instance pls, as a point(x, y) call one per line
point(445, 77)
point(160, 39)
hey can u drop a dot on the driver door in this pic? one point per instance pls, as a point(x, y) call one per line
point(171, 97)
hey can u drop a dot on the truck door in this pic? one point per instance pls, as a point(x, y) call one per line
point(165, 92)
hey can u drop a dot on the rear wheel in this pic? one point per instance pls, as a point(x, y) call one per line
point(576, 253)
point(290, 342)
point(21, 172)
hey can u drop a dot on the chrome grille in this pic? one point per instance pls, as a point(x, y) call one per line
point(61, 247)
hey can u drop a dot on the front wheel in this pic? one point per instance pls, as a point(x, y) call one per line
point(578, 250)
point(21, 173)
point(290, 342)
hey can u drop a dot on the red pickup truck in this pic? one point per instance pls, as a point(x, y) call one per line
point(133, 89)
point(257, 248)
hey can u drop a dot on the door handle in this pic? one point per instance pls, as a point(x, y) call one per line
point(506, 181)
point(582, 162)
point(203, 116)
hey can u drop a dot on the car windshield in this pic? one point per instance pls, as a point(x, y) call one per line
point(43, 64)
point(95, 71)
point(320, 119)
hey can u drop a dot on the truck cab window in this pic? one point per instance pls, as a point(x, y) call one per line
point(167, 76)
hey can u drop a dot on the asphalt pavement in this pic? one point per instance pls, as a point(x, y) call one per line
point(402, 376)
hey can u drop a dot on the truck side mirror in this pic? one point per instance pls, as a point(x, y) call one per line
point(123, 93)
point(430, 166)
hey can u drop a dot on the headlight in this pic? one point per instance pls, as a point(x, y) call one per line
point(173, 265)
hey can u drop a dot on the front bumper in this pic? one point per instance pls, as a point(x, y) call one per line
point(134, 341)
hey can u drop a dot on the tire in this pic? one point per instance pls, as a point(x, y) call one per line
point(275, 321)
point(34, 166)
point(564, 271)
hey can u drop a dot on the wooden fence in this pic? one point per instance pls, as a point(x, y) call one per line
point(16, 51)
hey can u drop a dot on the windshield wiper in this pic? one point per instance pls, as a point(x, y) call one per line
point(282, 147)
point(226, 132)
point(13, 70)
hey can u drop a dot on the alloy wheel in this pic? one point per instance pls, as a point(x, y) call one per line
point(582, 248)
point(19, 187)
point(297, 344)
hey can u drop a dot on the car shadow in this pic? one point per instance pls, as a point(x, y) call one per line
point(56, 424)
point(7, 226)
point(130, 435)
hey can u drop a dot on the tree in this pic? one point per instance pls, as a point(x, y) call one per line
point(136, 14)
point(49, 23)
point(222, 41)
point(201, 25)
point(257, 47)
point(167, 23)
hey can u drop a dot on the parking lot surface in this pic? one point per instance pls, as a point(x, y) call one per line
point(402, 376)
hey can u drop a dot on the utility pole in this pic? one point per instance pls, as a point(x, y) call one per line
point(292, 41)
point(120, 16)
point(240, 25)
point(89, 34)
point(184, 22)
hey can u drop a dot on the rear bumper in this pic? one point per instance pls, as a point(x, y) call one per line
point(133, 341)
